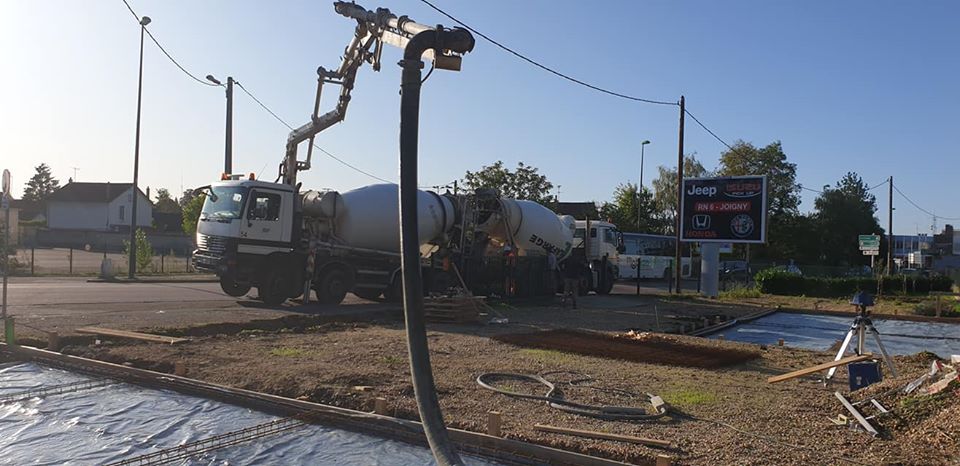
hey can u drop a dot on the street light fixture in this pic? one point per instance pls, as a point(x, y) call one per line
point(132, 249)
point(640, 185)
point(228, 144)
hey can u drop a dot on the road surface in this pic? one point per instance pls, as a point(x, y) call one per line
point(62, 304)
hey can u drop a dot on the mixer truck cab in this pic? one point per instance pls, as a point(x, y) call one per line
point(601, 250)
point(242, 224)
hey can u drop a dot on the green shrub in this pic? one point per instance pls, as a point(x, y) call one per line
point(779, 281)
point(741, 292)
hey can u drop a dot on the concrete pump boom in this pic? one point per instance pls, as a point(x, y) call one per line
point(374, 29)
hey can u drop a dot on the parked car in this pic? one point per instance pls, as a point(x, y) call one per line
point(735, 270)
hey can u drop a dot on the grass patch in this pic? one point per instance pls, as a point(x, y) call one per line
point(689, 397)
point(289, 352)
point(741, 292)
point(392, 360)
point(547, 355)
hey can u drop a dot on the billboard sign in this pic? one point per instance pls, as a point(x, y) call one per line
point(724, 210)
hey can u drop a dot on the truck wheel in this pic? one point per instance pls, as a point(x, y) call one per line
point(394, 292)
point(232, 288)
point(272, 290)
point(372, 294)
point(332, 287)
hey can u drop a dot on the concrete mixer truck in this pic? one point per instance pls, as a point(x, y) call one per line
point(286, 242)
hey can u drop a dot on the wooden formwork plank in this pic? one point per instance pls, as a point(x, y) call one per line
point(819, 367)
point(109, 332)
point(602, 435)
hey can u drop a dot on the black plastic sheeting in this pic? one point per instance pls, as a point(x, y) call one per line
point(820, 332)
point(117, 422)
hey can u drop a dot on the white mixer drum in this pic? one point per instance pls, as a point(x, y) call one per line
point(537, 229)
point(370, 217)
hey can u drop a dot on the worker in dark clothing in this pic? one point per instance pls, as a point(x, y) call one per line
point(572, 272)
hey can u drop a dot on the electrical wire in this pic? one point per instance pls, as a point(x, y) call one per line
point(921, 208)
point(324, 151)
point(155, 41)
point(544, 67)
point(878, 185)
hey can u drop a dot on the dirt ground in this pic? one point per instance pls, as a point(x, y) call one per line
point(728, 415)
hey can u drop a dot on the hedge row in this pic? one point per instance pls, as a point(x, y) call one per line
point(773, 281)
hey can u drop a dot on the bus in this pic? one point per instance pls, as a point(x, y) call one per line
point(654, 254)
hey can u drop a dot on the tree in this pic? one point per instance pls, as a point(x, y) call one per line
point(191, 213)
point(665, 189)
point(523, 183)
point(41, 185)
point(783, 193)
point(144, 250)
point(783, 196)
point(185, 199)
point(627, 204)
point(841, 214)
point(165, 203)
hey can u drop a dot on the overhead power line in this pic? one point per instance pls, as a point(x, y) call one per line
point(544, 67)
point(325, 152)
point(271, 112)
point(921, 208)
point(154, 39)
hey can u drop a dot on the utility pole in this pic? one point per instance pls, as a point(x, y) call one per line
point(677, 258)
point(890, 230)
point(228, 155)
point(640, 184)
point(132, 250)
point(228, 143)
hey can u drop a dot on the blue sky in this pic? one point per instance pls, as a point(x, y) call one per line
point(865, 86)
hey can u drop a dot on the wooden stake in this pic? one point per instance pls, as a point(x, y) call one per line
point(602, 435)
point(180, 368)
point(53, 341)
point(493, 423)
point(664, 460)
point(780, 342)
point(380, 406)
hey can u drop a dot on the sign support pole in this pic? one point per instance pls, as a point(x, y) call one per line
point(676, 265)
point(5, 201)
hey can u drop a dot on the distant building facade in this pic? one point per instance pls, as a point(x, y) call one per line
point(97, 207)
point(913, 251)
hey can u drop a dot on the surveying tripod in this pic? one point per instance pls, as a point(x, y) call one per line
point(862, 325)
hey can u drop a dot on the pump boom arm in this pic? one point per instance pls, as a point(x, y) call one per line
point(374, 29)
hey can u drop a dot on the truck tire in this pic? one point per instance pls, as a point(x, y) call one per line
point(332, 286)
point(605, 281)
point(232, 288)
point(394, 292)
point(273, 289)
point(372, 294)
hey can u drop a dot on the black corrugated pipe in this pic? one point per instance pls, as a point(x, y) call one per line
point(460, 41)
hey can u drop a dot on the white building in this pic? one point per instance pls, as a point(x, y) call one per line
point(97, 206)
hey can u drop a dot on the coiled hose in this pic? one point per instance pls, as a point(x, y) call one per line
point(554, 399)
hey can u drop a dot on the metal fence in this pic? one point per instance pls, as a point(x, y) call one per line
point(67, 261)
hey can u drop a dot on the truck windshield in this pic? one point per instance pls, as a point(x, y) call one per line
point(223, 203)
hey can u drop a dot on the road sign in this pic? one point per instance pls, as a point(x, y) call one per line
point(868, 242)
point(724, 210)
point(6, 183)
point(871, 252)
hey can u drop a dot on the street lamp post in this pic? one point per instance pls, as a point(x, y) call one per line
point(228, 143)
point(132, 249)
point(640, 190)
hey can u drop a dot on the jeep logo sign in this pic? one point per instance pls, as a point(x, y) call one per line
point(708, 191)
point(730, 209)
